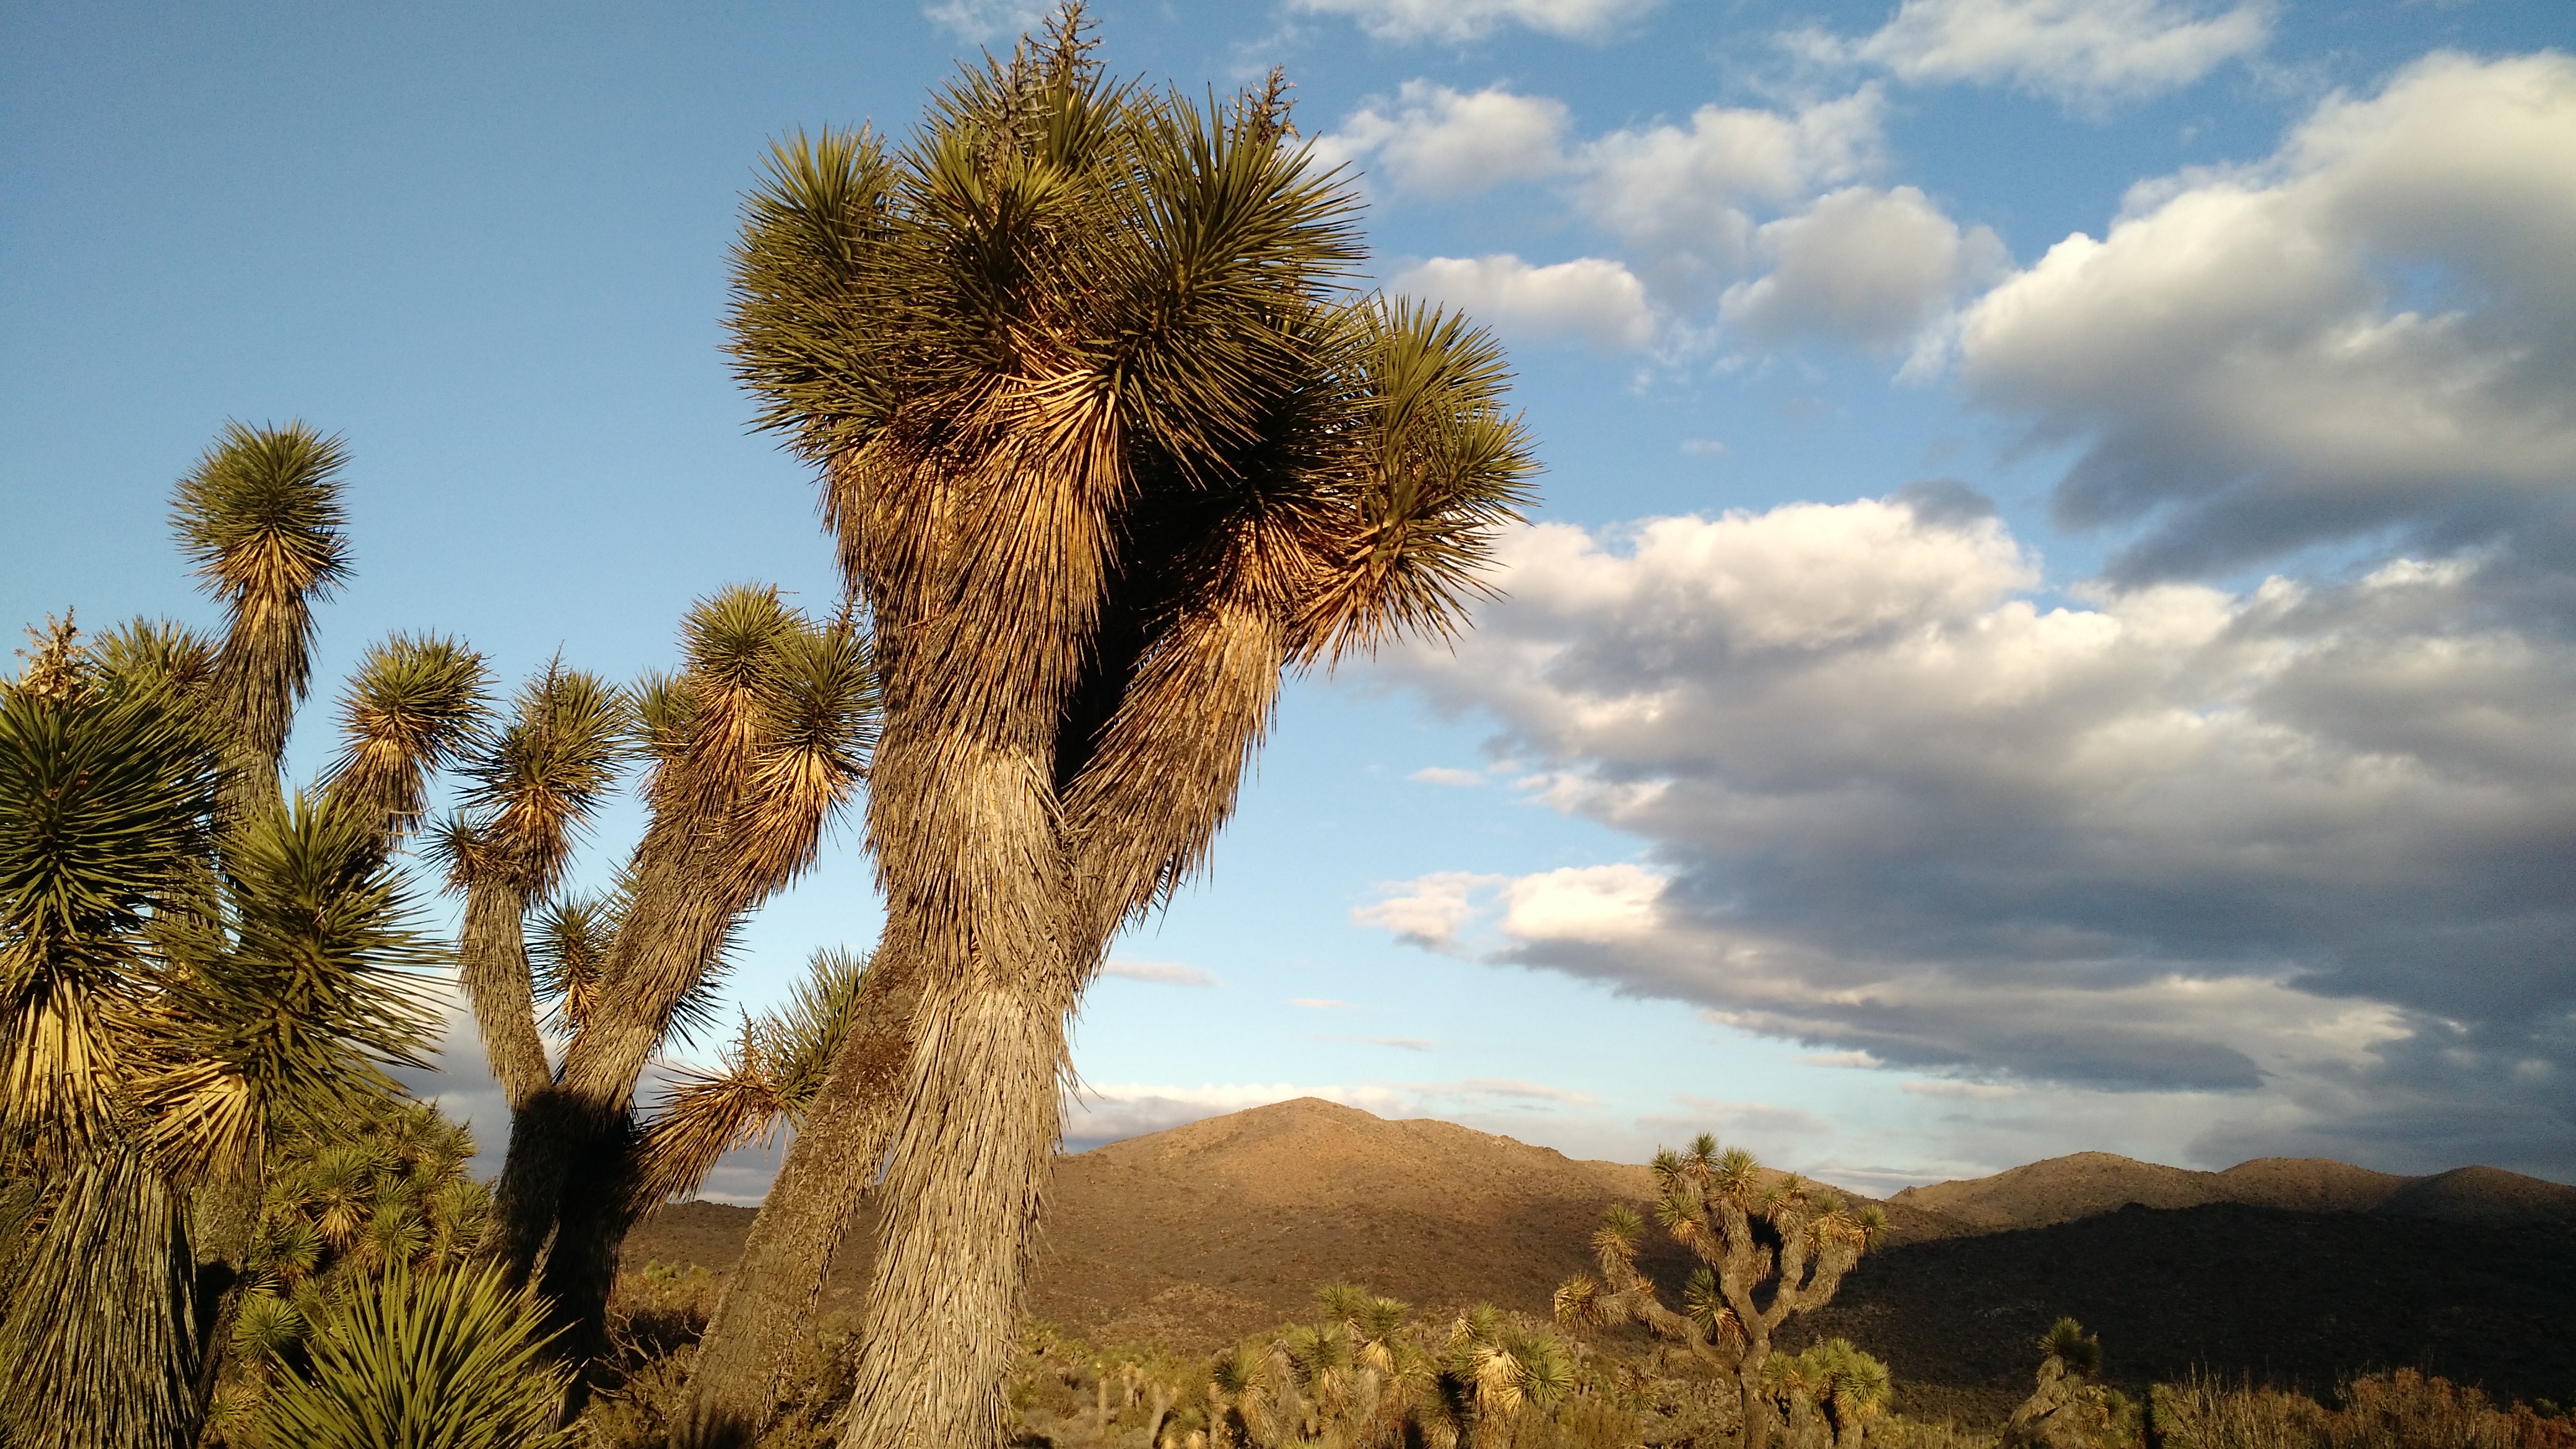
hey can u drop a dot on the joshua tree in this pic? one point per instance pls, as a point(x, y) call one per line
point(1799, 1241)
point(532, 790)
point(1108, 445)
point(2066, 1409)
point(261, 516)
point(164, 1007)
point(192, 957)
point(770, 1078)
point(750, 750)
point(1849, 1386)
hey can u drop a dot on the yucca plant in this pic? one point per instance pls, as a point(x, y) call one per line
point(261, 517)
point(768, 1080)
point(452, 1359)
point(1109, 443)
point(1746, 1233)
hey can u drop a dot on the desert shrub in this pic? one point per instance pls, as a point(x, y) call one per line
point(2399, 1410)
point(451, 1358)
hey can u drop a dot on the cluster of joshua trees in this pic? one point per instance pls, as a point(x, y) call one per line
point(1108, 441)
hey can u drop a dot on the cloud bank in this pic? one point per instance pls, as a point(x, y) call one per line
point(2369, 332)
point(2298, 854)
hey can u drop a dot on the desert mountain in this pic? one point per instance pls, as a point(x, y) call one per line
point(2286, 1268)
point(2089, 1184)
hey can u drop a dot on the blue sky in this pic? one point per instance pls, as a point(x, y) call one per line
point(2049, 625)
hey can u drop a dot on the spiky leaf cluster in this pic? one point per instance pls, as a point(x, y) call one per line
point(768, 1078)
point(453, 1357)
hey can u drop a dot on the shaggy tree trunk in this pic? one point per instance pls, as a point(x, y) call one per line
point(768, 1304)
point(579, 1120)
point(227, 1216)
point(494, 948)
point(967, 842)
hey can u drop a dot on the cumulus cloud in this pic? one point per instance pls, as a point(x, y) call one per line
point(1687, 195)
point(1444, 775)
point(1458, 21)
point(1432, 140)
point(2293, 858)
point(2370, 331)
point(2083, 51)
point(1751, 211)
point(1876, 267)
point(1595, 300)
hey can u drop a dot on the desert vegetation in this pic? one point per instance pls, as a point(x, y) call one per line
point(1109, 443)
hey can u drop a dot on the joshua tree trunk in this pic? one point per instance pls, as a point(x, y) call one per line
point(976, 888)
point(769, 1302)
point(495, 953)
point(568, 1142)
point(1748, 1392)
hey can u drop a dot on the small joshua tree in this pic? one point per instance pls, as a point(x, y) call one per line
point(1789, 1235)
point(2067, 1409)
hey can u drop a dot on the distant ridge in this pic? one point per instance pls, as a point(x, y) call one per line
point(2296, 1269)
point(2088, 1184)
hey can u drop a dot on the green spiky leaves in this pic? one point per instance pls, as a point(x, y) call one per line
point(319, 982)
point(453, 1358)
point(260, 514)
point(410, 711)
point(2068, 1343)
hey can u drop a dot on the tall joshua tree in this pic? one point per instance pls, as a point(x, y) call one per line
point(751, 750)
point(1108, 445)
point(531, 792)
point(1746, 1234)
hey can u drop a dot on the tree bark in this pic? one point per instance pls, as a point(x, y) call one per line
point(669, 935)
point(768, 1305)
point(967, 842)
point(228, 1216)
point(496, 980)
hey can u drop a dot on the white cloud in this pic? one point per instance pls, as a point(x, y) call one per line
point(980, 21)
point(2371, 330)
point(1685, 196)
point(1974, 1091)
point(1166, 973)
point(2084, 51)
point(1443, 775)
point(1456, 21)
point(1435, 141)
point(1430, 911)
point(1874, 267)
point(1750, 210)
point(1598, 903)
point(2281, 860)
point(1588, 298)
